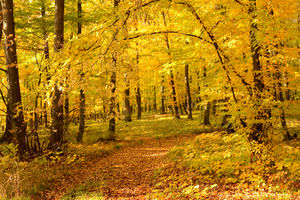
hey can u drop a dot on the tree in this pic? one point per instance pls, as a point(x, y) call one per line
point(188, 92)
point(81, 95)
point(17, 118)
point(57, 111)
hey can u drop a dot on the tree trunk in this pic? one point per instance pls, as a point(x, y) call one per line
point(162, 92)
point(8, 136)
point(139, 102)
point(214, 107)
point(188, 93)
point(154, 99)
point(18, 124)
point(57, 110)
point(112, 103)
point(258, 129)
point(66, 104)
point(127, 107)
point(176, 112)
point(81, 116)
point(206, 114)
point(46, 55)
point(81, 95)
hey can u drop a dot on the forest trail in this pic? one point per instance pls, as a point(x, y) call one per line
point(124, 174)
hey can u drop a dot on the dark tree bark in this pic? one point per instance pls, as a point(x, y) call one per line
point(17, 119)
point(138, 90)
point(112, 103)
point(46, 55)
point(81, 116)
point(154, 99)
point(139, 102)
point(57, 110)
point(198, 98)
point(45, 33)
point(163, 97)
point(214, 107)
point(79, 16)
point(81, 95)
point(127, 107)
point(1, 22)
point(188, 93)
point(7, 136)
point(176, 112)
point(66, 104)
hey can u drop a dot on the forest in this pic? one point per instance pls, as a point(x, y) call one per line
point(149, 99)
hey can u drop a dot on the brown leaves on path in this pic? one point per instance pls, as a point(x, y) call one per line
point(124, 174)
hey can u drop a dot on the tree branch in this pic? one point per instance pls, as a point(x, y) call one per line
point(3, 98)
point(239, 2)
point(165, 32)
point(4, 70)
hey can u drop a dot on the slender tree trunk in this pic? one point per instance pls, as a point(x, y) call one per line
point(18, 124)
point(81, 116)
point(154, 99)
point(112, 105)
point(176, 112)
point(214, 107)
point(46, 56)
point(57, 110)
point(198, 98)
point(181, 108)
point(127, 107)
point(81, 95)
point(188, 93)
point(139, 102)
point(207, 114)
point(163, 97)
point(66, 104)
point(1, 22)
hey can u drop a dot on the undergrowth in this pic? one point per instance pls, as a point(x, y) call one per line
point(221, 166)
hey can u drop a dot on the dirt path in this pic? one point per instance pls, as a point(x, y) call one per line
point(124, 174)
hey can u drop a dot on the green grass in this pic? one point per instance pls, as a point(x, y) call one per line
point(83, 192)
point(151, 125)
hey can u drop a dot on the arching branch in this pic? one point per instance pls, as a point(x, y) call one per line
point(166, 32)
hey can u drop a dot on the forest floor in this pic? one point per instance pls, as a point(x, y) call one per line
point(160, 158)
point(124, 174)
